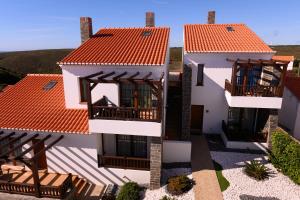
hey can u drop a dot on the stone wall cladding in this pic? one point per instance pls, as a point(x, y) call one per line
point(186, 102)
point(155, 162)
point(272, 125)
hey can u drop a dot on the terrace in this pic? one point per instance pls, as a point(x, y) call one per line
point(140, 96)
point(28, 176)
point(259, 78)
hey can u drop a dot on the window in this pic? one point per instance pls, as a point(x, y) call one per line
point(83, 90)
point(6, 147)
point(145, 97)
point(132, 146)
point(200, 75)
point(49, 85)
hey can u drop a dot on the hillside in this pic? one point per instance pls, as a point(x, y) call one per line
point(287, 50)
point(14, 65)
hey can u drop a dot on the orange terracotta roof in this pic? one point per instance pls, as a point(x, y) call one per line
point(293, 84)
point(27, 106)
point(217, 38)
point(123, 46)
point(284, 58)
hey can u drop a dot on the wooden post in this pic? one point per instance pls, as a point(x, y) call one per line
point(36, 179)
point(282, 80)
point(245, 79)
point(89, 99)
point(136, 97)
point(233, 79)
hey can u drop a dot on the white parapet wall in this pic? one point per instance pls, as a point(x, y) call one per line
point(176, 151)
point(243, 145)
point(124, 127)
point(253, 102)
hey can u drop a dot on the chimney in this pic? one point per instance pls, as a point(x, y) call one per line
point(86, 28)
point(211, 17)
point(150, 19)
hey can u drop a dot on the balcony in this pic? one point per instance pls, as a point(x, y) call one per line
point(124, 162)
point(256, 84)
point(126, 113)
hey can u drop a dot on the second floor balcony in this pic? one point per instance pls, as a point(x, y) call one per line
point(134, 96)
point(256, 83)
point(259, 78)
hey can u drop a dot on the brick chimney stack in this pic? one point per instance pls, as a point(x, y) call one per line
point(150, 22)
point(211, 17)
point(86, 28)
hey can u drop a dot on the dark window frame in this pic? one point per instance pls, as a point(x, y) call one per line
point(83, 97)
point(132, 140)
point(200, 78)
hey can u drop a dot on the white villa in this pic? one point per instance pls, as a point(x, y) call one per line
point(231, 84)
point(103, 119)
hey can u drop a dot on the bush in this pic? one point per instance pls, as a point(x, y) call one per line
point(167, 198)
point(285, 155)
point(179, 184)
point(129, 191)
point(257, 170)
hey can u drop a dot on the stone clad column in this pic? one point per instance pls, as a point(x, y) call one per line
point(186, 102)
point(155, 162)
point(272, 126)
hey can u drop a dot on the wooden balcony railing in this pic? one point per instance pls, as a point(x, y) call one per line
point(60, 191)
point(253, 90)
point(124, 162)
point(126, 113)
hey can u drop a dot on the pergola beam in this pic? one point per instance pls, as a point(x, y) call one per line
point(38, 154)
point(101, 78)
point(146, 77)
point(7, 136)
point(14, 140)
point(5, 154)
point(93, 75)
point(133, 76)
point(118, 77)
point(33, 146)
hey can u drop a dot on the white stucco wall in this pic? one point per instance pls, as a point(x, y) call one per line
point(211, 95)
point(77, 154)
point(124, 127)
point(176, 151)
point(71, 74)
point(296, 130)
point(288, 112)
point(253, 102)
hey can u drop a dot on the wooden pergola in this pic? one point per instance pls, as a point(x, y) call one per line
point(135, 78)
point(9, 142)
point(250, 64)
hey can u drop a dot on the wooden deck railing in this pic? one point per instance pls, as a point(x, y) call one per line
point(124, 162)
point(59, 192)
point(126, 113)
point(255, 90)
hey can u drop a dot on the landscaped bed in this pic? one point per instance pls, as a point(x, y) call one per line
point(166, 173)
point(277, 186)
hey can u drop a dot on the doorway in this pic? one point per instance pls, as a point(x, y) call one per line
point(197, 119)
point(42, 159)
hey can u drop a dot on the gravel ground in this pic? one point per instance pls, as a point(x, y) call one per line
point(159, 193)
point(277, 187)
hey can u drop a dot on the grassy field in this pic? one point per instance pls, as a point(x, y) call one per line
point(14, 65)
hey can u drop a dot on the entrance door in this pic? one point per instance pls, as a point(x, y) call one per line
point(197, 119)
point(42, 160)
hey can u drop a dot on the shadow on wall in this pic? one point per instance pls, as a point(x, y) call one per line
point(73, 162)
point(250, 197)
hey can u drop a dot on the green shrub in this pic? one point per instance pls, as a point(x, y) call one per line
point(129, 191)
point(167, 198)
point(257, 170)
point(285, 155)
point(179, 184)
